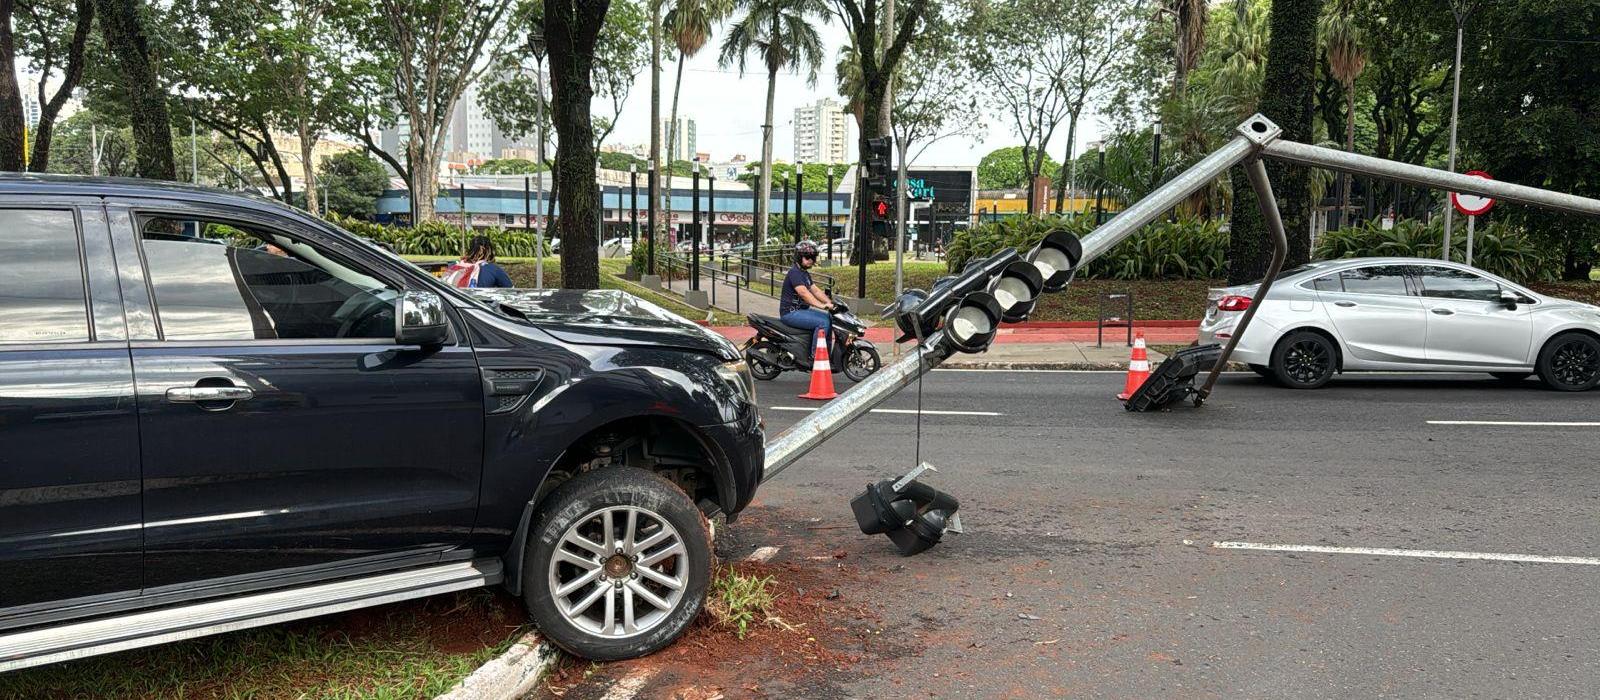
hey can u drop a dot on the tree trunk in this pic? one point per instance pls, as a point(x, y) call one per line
point(12, 141)
point(147, 101)
point(655, 117)
point(571, 28)
point(423, 162)
point(1067, 162)
point(39, 159)
point(764, 190)
point(672, 135)
point(308, 143)
point(1349, 146)
point(1287, 94)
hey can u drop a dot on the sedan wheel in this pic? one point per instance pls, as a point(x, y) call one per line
point(1570, 362)
point(1304, 360)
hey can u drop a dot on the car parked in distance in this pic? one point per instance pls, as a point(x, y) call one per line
point(219, 411)
point(1408, 314)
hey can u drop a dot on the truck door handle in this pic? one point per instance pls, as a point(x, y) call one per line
point(209, 394)
point(1443, 312)
point(1345, 304)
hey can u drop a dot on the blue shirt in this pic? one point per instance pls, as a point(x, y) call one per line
point(492, 275)
point(791, 301)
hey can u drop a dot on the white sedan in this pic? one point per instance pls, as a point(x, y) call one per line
point(1407, 314)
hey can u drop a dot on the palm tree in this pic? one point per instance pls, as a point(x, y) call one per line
point(1347, 57)
point(847, 73)
point(689, 24)
point(783, 34)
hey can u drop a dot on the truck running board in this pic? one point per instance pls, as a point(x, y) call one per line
point(130, 631)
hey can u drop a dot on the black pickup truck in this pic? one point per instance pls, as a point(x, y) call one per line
point(217, 412)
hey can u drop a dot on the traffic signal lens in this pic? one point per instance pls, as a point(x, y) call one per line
point(881, 209)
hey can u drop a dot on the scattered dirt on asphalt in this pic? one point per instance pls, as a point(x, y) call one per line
point(450, 624)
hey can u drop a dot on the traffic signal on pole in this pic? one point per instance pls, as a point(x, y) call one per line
point(880, 163)
point(881, 209)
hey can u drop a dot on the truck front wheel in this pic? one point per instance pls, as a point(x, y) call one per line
point(618, 563)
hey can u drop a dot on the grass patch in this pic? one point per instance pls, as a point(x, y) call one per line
point(1152, 299)
point(414, 649)
point(739, 601)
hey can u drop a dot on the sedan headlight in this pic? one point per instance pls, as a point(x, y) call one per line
point(738, 374)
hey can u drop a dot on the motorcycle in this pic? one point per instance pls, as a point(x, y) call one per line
point(779, 347)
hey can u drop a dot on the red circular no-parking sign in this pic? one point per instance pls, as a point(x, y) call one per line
point(1472, 204)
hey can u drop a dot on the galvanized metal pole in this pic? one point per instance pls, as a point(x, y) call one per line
point(1257, 171)
point(1455, 110)
point(711, 206)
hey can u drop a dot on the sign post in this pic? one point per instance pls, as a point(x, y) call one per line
point(1473, 206)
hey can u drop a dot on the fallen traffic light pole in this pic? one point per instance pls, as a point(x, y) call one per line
point(965, 303)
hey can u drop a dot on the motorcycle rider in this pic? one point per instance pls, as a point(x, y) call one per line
point(803, 303)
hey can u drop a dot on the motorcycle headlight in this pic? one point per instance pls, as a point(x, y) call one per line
point(738, 374)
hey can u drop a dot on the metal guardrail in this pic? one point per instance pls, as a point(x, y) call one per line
point(674, 268)
point(772, 273)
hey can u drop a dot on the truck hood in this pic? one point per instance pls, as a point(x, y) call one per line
point(607, 317)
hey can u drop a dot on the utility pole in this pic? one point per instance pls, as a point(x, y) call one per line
point(1461, 8)
point(694, 230)
point(650, 220)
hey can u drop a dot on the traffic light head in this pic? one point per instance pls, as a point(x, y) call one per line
point(880, 209)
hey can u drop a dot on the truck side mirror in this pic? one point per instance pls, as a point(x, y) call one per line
point(419, 320)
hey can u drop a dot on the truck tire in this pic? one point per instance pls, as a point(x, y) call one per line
point(618, 563)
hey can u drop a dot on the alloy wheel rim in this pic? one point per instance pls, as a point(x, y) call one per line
point(619, 572)
point(1306, 361)
point(862, 360)
point(1575, 363)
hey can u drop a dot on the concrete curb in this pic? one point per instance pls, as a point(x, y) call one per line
point(509, 675)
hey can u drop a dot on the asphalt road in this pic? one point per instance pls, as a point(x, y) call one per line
point(1100, 524)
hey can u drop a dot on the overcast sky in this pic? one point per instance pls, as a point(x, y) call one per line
point(729, 109)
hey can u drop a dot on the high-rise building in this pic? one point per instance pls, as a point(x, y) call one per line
point(683, 142)
point(470, 135)
point(32, 111)
point(821, 132)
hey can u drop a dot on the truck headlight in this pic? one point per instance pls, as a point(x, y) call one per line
point(738, 374)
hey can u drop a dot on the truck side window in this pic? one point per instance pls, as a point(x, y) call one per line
point(42, 297)
point(216, 281)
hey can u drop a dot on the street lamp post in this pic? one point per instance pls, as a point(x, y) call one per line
point(1155, 159)
point(1100, 188)
point(1460, 9)
point(694, 230)
point(633, 202)
point(650, 222)
point(711, 205)
point(785, 217)
point(799, 200)
point(828, 228)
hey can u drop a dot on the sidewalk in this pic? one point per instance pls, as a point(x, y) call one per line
point(1035, 347)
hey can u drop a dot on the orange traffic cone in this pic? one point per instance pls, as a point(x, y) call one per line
point(1138, 369)
point(821, 372)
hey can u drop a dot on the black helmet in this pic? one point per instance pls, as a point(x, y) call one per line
point(804, 249)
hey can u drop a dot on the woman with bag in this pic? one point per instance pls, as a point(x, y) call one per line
point(477, 268)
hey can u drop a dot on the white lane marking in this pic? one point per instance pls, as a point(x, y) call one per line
point(908, 411)
point(1422, 553)
point(763, 555)
point(629, 686)
point(1519, 423)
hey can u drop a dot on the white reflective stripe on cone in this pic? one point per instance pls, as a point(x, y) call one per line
point(1139, 366)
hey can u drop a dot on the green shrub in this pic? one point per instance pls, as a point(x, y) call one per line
point(1186, 249)
point(440, 238)
point(1500, 248)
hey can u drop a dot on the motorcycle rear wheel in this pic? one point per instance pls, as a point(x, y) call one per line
point(759, 369)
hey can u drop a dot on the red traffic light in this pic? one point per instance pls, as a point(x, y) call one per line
point(880, 209)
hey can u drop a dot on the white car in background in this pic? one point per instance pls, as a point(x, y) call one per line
point(1407, 314)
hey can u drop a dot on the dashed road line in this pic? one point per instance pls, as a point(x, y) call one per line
point(1520, 423)
point(1419, 553)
